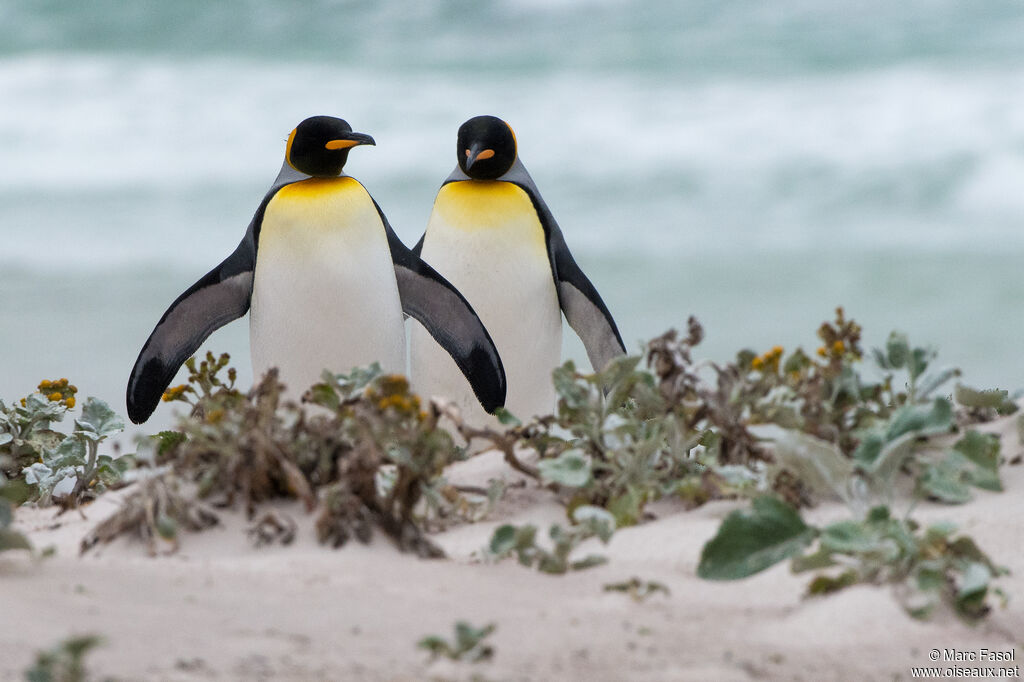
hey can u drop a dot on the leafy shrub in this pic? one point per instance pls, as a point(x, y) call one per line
point(38, 457)
point(927, 567)
point(364, 453)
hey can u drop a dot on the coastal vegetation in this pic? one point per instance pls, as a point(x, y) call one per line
point(877, 431)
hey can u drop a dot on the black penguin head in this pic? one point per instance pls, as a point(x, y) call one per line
point(486, 147)
point(319, 146)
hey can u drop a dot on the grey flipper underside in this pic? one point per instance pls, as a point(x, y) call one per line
point(583, 307)
point(444, 312)
point(222, 295)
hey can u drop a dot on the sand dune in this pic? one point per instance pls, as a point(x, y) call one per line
point(220, 609)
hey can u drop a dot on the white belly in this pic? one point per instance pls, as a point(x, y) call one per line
point(485, 238)
point(324, 292)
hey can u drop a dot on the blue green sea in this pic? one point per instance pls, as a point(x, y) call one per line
point(754, 164)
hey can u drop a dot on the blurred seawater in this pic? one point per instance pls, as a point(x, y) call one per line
point(753, 165)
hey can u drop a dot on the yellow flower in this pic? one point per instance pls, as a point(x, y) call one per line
point(822, 352)
point(757, 363)
point(70, 402)
point(777, 351)
point(393, 384)
point(838, 347)
point(44, 384)
point(174, 393)
point(55, 396)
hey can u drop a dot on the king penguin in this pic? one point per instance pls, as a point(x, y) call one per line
point(491, 234)
point(326, 280)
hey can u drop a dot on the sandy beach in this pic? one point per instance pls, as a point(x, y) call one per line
point(221, 609)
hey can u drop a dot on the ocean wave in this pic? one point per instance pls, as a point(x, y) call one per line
point(895, 156)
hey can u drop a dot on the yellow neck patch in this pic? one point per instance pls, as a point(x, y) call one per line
point(484, 204)
point(315, 188)
point(304, 209)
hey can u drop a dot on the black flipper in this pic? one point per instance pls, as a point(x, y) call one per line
point(221, 296)
point(586, 313)
point(582, 305)
point(444, 312)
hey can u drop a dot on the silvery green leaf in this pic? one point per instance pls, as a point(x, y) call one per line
point(38, 411)
point(974, 460)
point(751, 540)
point(42, 440)
point(812, 562)
point(982, 450)
point(384, 480)
point(781, 406)
point(70, 452)
point(996, 399)
point(932, 382)
point(356, 380)
point(850, 537)
point(975, 580)
point(889, 459)
point(572, 468)
point(922, 419)
point(507, 418)
point(628, 507)
point(324, 393)
point(5, 438)
point(816, 462)
point(503, 540)
point(98, 421)
point(618, 379)
point(571, 392)
point(738, 475)
point(598, 520)
point(897, 350)
point(619, 369)
point(36, 473)
point(589, 561)
point(919, 359)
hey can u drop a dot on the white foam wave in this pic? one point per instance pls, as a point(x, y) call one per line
point(897, 156)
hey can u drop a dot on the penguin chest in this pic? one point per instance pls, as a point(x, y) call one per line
point(324, 289)
point(487, 240)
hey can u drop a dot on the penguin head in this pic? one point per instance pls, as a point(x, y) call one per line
point(486, 147)
point(319, 146)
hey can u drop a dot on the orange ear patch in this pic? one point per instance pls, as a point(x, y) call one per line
point(485, 154)
point(514, 140)
point(288, 147)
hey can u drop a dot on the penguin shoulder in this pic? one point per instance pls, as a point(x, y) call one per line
point(485, 203)
point(322, 201)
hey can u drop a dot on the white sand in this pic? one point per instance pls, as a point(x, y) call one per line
point(222, 610)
